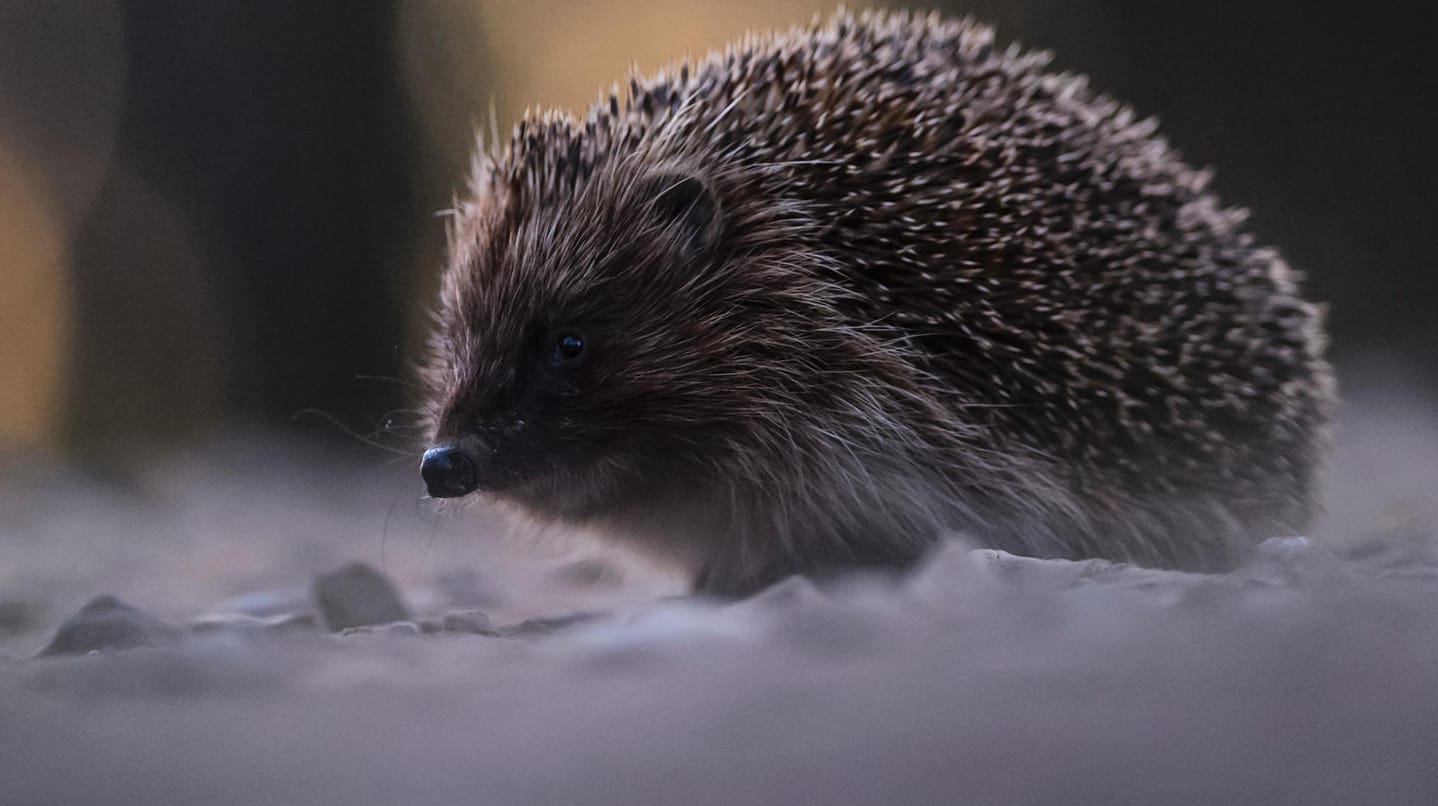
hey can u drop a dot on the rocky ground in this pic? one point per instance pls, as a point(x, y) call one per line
point(247, 621)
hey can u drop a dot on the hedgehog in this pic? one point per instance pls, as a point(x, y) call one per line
point(837, 294)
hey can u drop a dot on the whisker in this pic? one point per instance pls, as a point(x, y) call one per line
point(434, 530)
point(384, 533)
point(350, 432)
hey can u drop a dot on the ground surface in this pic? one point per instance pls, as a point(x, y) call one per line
point(1310, 676)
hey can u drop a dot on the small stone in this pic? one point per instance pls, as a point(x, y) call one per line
point(470, 621)
point(357, 596)
point(105, 622)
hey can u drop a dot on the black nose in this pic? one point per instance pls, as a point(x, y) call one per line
point(448, 472)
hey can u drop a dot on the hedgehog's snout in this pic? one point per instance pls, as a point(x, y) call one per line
point(450, 471)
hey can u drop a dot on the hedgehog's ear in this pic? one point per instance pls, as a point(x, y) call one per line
point(685, 201)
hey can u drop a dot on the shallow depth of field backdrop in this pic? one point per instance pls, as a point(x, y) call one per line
point(215, 213)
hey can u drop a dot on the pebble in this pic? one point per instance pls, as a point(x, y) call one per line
point(356, 595)
point(105, 622)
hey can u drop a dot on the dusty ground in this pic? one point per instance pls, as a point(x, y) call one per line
point(1310, 676)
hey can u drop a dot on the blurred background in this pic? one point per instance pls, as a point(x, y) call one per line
point(219, 215)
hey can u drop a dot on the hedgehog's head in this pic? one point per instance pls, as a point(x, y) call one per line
point(632, 334)
point(565, 347)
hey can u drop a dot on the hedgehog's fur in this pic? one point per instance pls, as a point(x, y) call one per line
point(853, 287)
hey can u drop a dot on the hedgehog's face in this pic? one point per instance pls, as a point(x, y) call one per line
point(578, 352)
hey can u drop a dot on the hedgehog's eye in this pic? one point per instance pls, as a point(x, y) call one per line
point(568, 349)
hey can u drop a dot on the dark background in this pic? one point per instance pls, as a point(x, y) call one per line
point(243, 194)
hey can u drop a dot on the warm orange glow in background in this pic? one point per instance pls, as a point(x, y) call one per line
point(59, 108)
point(33, 315)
